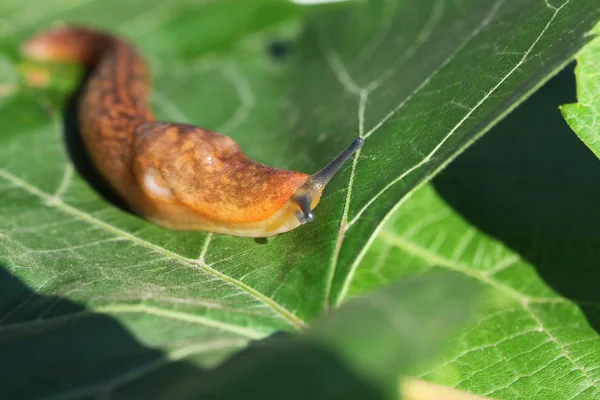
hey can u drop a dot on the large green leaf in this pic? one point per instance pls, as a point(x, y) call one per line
point(419, 80)
point(583, 116)
point(518, 212)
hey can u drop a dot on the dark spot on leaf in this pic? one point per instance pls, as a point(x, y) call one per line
point(278, 49)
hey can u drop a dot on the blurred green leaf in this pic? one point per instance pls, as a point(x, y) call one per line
point(584, 115)
point(420, 80)
point(355, 352)
point(518, 213)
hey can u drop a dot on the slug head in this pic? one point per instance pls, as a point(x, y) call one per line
point(308, 195)
point(193, 179)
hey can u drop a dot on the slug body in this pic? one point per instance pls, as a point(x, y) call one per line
point(178, 176)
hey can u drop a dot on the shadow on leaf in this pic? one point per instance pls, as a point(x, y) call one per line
point(532, 184)
point(54, 348)
point(78, 153)
point(51, 345)
point(274, 368)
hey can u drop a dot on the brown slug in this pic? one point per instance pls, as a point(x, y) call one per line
point(178, 176)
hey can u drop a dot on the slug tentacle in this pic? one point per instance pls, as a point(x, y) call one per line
point(313, 187)
point(304, 201)
point(178, 176)
point(321, 178)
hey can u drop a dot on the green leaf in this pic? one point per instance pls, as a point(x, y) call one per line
point(420, 80)
point(583, 116)
point(516, 212)
point(358, 351)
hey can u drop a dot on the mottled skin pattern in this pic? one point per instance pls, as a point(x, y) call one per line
point(176, 175)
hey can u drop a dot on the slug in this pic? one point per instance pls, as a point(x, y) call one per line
point(178, 176)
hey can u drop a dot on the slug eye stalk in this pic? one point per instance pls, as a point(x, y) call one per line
point(314, 185)
point(304, 202)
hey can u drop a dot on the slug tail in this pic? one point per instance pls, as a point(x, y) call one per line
point(112, 101)
point(67, 44)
